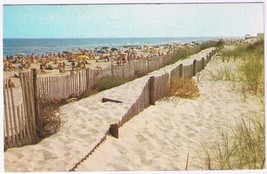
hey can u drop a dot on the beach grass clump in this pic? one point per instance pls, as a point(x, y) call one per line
point(50, 118)
point(252, 74)
point(182, 88)
point(218, 44)
point(224, 73)
point(252, 68)
point(185, 52)
point(239, 147)
point(250, 71)
point(107, 82)
point(181, 54)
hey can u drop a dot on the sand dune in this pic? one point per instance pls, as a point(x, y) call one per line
point(159, 138)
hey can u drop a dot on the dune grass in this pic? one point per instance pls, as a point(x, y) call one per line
point(238, 147)
point(184, 53)
point(50, 118)
point(181, 88)
point(241, 146)
point(250, 71)
point(107, 82)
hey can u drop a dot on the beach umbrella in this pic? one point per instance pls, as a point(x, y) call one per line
point(101, 51)
point(84, 57)
point(104, 48)
point(113, 49)
point(21, 55)
point(135, 51)
point(50, 52)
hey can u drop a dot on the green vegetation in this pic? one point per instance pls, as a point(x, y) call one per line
point(184, 53)
point(224, 73)
point(241, 148)
point(252, 74)
point(251, 69)
point(108, 82)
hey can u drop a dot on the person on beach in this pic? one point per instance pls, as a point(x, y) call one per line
point(10, 84)
point(60, 68)
point(73, 65)
point(63, 66)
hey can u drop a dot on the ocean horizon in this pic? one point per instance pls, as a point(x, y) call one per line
point(39, 46)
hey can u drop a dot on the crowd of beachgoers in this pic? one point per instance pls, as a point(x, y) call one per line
point(81, 57)
point(74, 60)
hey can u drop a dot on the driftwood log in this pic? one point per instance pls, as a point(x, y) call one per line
point(110, 100)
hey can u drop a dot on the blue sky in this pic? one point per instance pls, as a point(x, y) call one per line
point(153, 20)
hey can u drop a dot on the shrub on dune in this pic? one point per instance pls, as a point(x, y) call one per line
point(108, 82)
point(182, 88)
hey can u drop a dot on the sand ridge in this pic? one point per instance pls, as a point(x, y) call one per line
point(86, 121)
point(160, 137)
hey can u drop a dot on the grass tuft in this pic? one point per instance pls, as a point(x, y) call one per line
point(108, 82)
point(50, 120)
point(240, 148)
point(182, 88)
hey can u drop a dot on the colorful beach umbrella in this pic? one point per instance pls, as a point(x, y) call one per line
point(113, 49)
point(21, 55)
point(84, 57)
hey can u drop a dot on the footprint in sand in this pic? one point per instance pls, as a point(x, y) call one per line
point(140, 138)
point(48, 156)
point(82, 136)
point(190, 135)
point(93, 109)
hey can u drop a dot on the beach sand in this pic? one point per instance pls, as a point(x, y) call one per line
point(159, 138)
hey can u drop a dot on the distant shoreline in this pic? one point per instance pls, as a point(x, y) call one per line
point(222, 37)
point(12, 46)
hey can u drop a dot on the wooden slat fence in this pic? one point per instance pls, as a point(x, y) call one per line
point(141, 103)
point(19, 120)
point(188, 71)
point(154, 89)
point(161, 86)
point(74, 85)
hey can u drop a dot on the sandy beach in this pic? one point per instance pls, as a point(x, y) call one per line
point(133, 87)
point(86, 121)
point(161, 137)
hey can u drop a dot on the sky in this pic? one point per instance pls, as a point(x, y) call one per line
point(139, 20)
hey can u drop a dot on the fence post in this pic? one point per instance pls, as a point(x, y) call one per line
point(148, 68)
point(194, 67)
point(181, 70)
point(114, 130)
point(87, 76)
point(35, 96)
point(112, 69)
point(202, 63)
point(151, 90)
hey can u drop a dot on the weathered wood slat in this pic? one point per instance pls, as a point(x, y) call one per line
point(10, 116)
point(7, 129)
point(21, 137)
point(15, 126)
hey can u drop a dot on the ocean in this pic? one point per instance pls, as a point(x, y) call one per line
point(43, 46)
